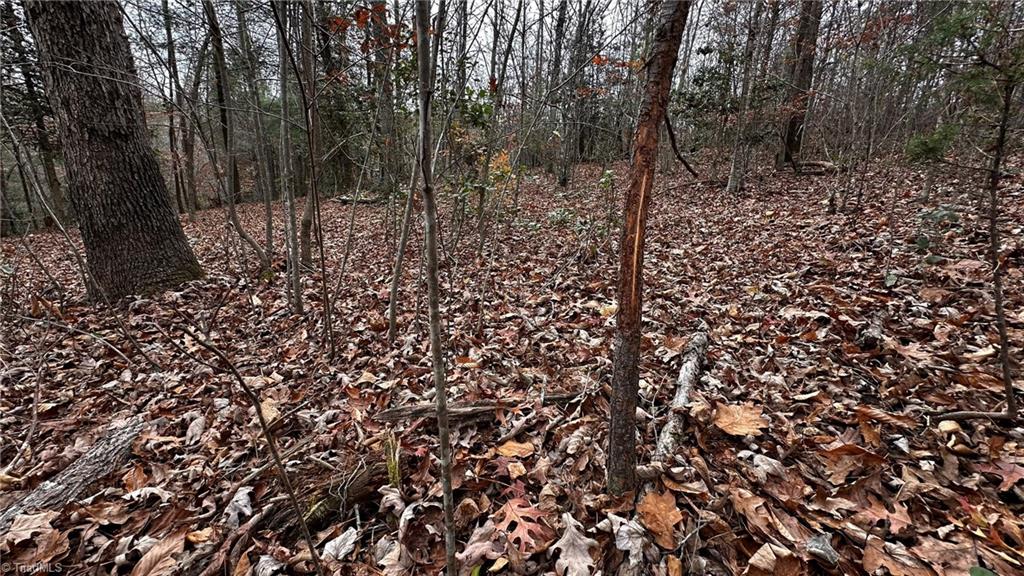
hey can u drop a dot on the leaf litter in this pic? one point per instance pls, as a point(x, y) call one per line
point(812, 443)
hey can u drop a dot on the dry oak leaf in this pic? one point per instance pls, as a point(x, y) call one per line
point(574, 549)
point(512, 448)
point(25, 526)
point(865, 413)
point(659, 514)
point(629, 536)
point(740, 420)
point(480, 547)
point(947, 558)
point(46, 543)
point(772, 560)
point(892, 556)
point(876, 511)
point(159, 560)
point(1008, 471)
point(519, 520)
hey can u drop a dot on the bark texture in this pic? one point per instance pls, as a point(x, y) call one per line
point(133, 240)
point(668, 35)
point(102, 458)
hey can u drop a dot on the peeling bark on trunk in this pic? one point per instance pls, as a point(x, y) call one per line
point(621, 464)
point(134, 243)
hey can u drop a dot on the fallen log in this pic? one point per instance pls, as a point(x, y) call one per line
point(359, 200)
point(671, 436)
point(689, 372)
point(816, 167)
point(100, 460)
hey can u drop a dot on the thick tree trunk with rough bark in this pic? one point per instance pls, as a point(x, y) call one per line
point(801, 72)
point(133, 241)
point(621, 464)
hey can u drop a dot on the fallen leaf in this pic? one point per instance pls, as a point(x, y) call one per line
point(200, 536)
point(772, 560)
point(892, 556)
point(515, 449)
point(629, 536)
point(343, 545)
point(659, 514)
point(1010, 473)
point(865, 413)
point(160, 559)
point(574, 547)
point(740, 420)
point(519, 520)
point(481, 546)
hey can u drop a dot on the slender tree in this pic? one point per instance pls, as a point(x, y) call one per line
point(227, 127)
point(668, 33)
point(740, 151)
point(285, 158)
point(426, 89)
point(263, 179)
point(174, 104)
point(133, 240)
point(37, 104)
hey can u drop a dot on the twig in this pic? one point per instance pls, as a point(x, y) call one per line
point(71, 328)
point(978, 415)
point(675, 147)
point(35, 421)
point(271, 445)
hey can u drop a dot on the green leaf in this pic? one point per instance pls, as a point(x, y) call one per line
point(979, 571)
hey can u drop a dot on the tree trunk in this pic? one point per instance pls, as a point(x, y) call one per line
point(262, 163)
point(228, 132)
point(133, 240)
point(801, 72)
point(430, 212)
point(995, 176)
point(497, 85)
point(173, 106)
point(621, 463)
point(740, 149)
point(189, 137)
point(38, 109)
point(285, 161)
point(403, 242)
point(306, 226)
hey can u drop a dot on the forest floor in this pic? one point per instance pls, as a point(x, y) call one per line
point(813, 442)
